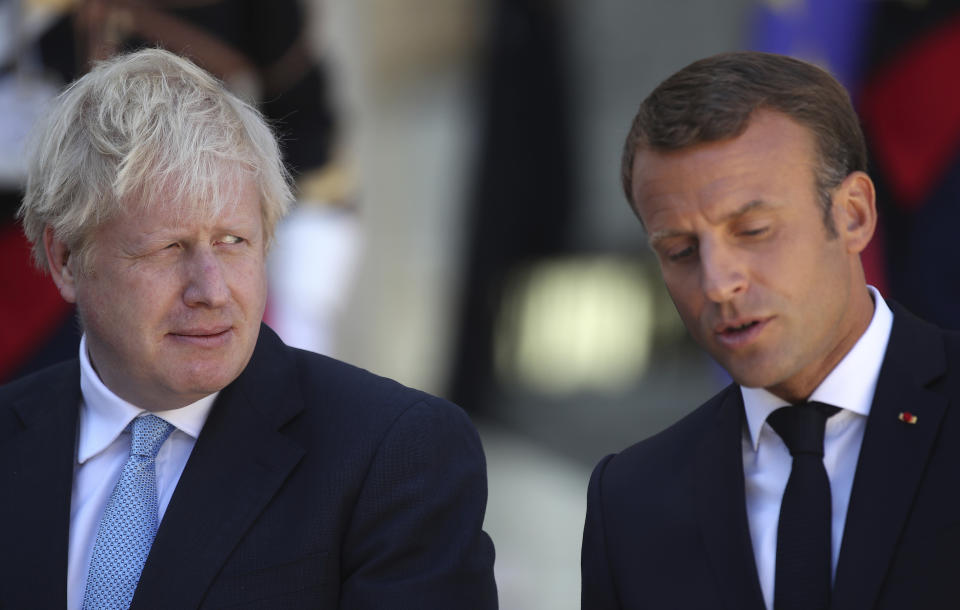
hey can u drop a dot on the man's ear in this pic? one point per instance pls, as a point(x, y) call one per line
point(61, 263)
point(855, 211)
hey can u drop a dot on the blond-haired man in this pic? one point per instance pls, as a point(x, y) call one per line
point(188, 458)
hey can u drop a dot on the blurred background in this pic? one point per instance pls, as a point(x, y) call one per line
point(460, 225)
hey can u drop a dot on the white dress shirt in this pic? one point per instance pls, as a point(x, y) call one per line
point(767, 461)
point(103, 445)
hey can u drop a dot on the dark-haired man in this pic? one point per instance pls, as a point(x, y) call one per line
point(826, 475)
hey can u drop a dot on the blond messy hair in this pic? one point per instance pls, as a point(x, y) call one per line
point(142, 129)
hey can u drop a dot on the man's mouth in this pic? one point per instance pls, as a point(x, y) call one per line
point(205, 337)
point(740, 328)
point(740, 333)
point(201, 333)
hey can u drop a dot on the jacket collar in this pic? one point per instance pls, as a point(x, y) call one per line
point(36, 479)
point(239, 462)
point(721, 505)
point(892, 459)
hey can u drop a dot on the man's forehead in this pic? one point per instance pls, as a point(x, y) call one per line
point(771, 146)
point(179, 201)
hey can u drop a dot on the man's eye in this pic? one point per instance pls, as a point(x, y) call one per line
point(753, 232)
point(231, 239)
point(679, 255)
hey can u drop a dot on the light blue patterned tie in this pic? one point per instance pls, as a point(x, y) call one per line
point(129, 522)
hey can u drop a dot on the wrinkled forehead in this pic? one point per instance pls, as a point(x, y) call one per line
point(193, 197)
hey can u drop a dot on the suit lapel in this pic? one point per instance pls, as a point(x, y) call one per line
point(238, 464)
point(892, 459)
point(721, 507)
point(37, 464)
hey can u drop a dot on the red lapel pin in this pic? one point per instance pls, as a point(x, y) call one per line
point(907, 417)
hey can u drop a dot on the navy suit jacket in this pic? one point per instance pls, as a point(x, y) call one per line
point(313, 484)
point(667, 524)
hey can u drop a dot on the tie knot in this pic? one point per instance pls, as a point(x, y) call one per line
point(802, 426)
point(149, 432)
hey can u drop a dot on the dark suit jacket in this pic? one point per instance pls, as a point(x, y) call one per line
point(314, 484)
point(667, 525)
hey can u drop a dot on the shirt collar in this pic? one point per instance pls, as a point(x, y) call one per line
point(850, 385)
point(104, 415)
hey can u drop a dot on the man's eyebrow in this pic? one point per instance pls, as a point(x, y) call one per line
point(658, 236)
point(750, 205)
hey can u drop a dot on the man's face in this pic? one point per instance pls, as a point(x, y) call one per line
point(747, 259)
point(172, 307)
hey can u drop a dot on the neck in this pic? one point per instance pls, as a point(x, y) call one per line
point(852, 325)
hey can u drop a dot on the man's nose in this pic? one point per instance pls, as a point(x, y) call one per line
point(206, 283)
point(723, 273)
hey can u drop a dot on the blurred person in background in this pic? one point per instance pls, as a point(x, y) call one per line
point(261, 51)
point(826, 474)
point(188, 458)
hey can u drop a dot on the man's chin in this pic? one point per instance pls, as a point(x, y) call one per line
point(194, 384)
point(751, 376)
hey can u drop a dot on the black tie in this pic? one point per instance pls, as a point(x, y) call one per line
point(802, 579)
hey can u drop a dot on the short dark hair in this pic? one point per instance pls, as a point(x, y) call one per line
point(713, 99)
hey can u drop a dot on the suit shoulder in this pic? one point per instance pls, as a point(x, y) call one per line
point(358, 394)
point(678, 436)
point(40, 382)
point(930, 353)
point(38, 395)
point(952, 339)
point(318, 397)
point(667, 451)
point(336, 378)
